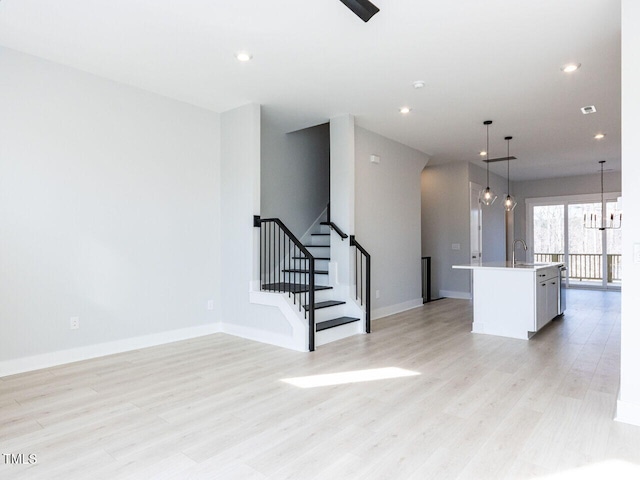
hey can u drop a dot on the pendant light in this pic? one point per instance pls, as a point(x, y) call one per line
point(487, 196)
point(595, 221)
point(509, 202)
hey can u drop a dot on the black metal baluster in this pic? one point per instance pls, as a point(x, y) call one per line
point(361, 279)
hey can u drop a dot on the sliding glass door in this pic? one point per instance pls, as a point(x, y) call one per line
point(563, 229)
point(585, 246)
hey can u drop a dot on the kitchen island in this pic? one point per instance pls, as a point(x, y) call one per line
point(514, 300)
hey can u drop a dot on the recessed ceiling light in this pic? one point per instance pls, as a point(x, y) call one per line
point(588, 109)
point(405, 110)
point(570, 67)
point(243, 56)
point(599, 136)
point(483, 153)
point(419, 84)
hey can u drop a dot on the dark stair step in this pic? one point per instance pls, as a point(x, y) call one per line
point(317, 246)
point(299, 270)
point(336, 322)
point(292, 287)
point(328, 303)
point(320, 234)
point(315, 258)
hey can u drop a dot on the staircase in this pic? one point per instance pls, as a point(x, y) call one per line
point(301, 271)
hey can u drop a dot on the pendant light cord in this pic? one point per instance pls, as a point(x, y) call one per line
point(508, 171)
point(602, 208)
point(487, 155)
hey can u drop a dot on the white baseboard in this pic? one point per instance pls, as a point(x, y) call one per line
point(61, 357)
point(628, 413)
point(264, 336)
point(454, 294)
point(397, 308)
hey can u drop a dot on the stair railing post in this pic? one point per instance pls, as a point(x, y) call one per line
point(312, 304)
point(368, 290)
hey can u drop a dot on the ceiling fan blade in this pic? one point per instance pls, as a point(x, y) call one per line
point(362, 8)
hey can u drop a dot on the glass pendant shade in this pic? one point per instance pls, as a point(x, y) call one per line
point(509, 202)
point(488, 196)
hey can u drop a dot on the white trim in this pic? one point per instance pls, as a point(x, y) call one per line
point(397, 308)
point(453, 294)
point(628, 413)
point(61, 357)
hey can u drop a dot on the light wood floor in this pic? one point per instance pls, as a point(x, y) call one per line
point(482, 407)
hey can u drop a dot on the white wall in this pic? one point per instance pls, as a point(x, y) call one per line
point(629, 399)
point(109, 211)
point(294, 174)
point(342, 189)
point(387, 206)
point(240, 179)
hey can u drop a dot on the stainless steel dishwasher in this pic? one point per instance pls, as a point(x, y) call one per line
point(563, 281)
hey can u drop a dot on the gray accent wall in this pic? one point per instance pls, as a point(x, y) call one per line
point(387, 212)
point(494, 232)
point(294, 174)
point(446, 221)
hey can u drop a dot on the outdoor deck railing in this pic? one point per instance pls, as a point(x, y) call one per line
point(586, 266)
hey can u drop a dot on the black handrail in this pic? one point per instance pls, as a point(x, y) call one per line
point(279, 251)
point(333, 226)
point(363, 287)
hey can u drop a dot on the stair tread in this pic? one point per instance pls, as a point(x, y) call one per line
point(299, 270)
point(291, 287)
point(328, 303)
point(320, 234)
point(315, 258)
point(335, 322)
point(317, 246)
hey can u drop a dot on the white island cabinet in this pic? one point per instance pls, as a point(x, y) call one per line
point(514, 301)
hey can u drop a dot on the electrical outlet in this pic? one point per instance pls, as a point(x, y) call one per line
point(74, 323)
point(210, 305)
point(377, 293)
point(455, 246)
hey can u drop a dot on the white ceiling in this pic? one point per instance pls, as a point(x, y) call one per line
point(312, 60)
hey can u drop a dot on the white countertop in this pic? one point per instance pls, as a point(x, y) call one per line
point(504, 265)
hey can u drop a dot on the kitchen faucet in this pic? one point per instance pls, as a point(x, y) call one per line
point(513, 250)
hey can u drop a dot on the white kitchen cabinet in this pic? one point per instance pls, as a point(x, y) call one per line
point(547, 291)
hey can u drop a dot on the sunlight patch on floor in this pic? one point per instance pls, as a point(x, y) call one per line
point(612, 469)
point(349, 377)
